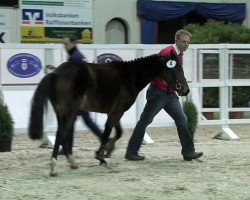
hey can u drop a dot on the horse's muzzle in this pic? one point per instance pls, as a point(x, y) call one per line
point(183, 93)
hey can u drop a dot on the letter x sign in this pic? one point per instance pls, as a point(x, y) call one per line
point(1, 37)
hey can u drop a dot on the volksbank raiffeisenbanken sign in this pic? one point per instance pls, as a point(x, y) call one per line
point(48, 21)
point(50, 18)
point(68, 17)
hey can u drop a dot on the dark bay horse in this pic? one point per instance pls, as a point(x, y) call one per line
point(109, 88)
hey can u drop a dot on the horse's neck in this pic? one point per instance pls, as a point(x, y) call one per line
point(145, 71)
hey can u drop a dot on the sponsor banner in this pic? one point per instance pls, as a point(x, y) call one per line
point(32, 17)
point(68, 17)
point(51, 17)
point(76, 3)
point(83, 35)
point(21, 66)
point(32, 34)
point(42, 3)
point(5, 18)
point(48, 24)
point(54, 34)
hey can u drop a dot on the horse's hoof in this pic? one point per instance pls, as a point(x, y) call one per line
point(107, 155)
point(103, 162)
point(98, 157)
point(74, 166)
point(110, 146)
point(71, 160)
point(53, 174)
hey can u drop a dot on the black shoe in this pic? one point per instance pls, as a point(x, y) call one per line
point(193, 155)
point(134, 157)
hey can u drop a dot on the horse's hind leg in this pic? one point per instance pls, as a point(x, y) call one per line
point(68, 137)
point(55, 152)
point(62, 136)
point(69, 142)
point(111, 142)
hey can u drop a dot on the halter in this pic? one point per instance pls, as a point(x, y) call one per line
point(178, 85)
point(171, 65)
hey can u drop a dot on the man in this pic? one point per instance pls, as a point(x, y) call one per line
point(75, 56)
point(160, 96)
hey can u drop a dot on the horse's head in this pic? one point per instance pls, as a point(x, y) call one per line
point(173, 74)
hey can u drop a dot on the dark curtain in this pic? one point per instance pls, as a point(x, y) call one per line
point(152, 11)
point(162, 10)
point(149, 31)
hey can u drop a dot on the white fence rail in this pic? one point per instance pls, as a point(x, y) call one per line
point(18, 89)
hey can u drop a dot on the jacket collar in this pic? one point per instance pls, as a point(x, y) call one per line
point(176, 49)
point(71, 51)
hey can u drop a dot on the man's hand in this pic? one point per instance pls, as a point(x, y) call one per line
point(49, 68)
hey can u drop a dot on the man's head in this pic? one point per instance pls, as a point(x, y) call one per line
point(182, 39)
point(69, 42)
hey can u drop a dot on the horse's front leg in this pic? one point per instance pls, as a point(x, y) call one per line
point(113, 120)
point(110, 146)
point(100, 153)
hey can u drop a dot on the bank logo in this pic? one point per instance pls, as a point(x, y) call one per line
point(32, 16)
point(24, 65)
point(108, 57)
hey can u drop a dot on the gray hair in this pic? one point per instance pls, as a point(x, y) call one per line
point(181, 32)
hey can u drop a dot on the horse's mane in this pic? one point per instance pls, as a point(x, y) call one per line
point(147, 60)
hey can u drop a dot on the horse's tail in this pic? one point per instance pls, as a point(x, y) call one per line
point(42, 93)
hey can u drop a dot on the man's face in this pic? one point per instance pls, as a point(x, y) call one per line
point(183, 42)
point(68, 45)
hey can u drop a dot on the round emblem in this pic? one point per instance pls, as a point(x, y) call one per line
point(24, 65)
point(108, 57)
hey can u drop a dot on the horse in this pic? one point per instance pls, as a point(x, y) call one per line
point(109, 88)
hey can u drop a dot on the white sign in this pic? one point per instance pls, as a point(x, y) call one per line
point(21, 66)
point(4, 18)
